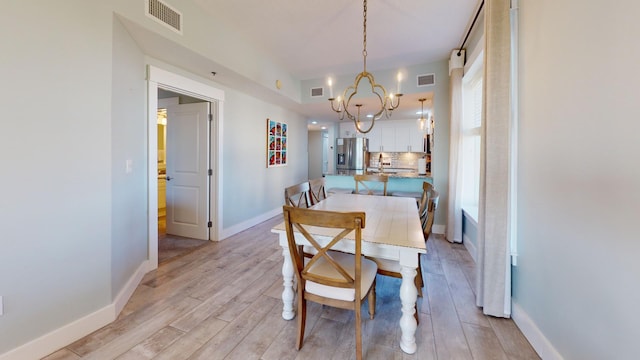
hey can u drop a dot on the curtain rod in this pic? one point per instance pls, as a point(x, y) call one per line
point(470, 28)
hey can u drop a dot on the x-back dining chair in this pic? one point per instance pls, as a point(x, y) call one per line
point(330, 278)
point(427, 188)
point(369, 184)
point(432, 205)
point(297, 195)
point(317, 190)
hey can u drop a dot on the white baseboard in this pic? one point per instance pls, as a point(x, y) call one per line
point(67, 334)
point(228, 232)
point(439, 229)
point(61, 337)
point(125, 294)
point(471, 248)
point(540, 343)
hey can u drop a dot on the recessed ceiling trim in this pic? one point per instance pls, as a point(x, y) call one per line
point(164, 14)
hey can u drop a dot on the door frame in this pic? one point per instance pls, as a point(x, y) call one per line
point(160, 78)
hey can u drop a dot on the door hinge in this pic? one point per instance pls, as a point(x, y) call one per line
point(210, 172)
point(210, 224)
point(210, 117)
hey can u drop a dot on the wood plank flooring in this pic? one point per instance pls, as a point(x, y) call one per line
point(222, 301)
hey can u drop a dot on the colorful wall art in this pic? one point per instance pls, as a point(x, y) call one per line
point(276, 143)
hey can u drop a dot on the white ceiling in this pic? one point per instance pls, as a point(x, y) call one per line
point(313, 39)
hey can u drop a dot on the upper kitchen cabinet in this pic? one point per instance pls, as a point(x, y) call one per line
point(389, 136)
point(408, 138)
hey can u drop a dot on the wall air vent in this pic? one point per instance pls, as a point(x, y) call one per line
point(317, 92)
point(164, 14)
point(426, 80)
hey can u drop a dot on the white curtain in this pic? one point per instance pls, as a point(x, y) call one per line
point(494, 271)
point(454, 214)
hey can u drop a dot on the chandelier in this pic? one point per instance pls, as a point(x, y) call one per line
point(388, 102)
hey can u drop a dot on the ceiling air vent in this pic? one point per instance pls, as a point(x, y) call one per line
point(316, 92)
point(164, 14)
point(426, 79)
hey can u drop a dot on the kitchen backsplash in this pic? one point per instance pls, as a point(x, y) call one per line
point(401, 160)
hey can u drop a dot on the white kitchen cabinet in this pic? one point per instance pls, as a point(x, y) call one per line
point(388, 136)
point(408, 137)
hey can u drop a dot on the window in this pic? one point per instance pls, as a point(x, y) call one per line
point(471, 137)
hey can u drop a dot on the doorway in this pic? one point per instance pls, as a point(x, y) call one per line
point(183, 143)
point(159, 82)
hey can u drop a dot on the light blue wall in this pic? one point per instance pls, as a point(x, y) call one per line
point(577, 278)
point(248, 185)
point(74, 100)
point(56, 155)
point(128, 142)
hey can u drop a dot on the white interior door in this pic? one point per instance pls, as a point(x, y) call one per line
point(187, 170)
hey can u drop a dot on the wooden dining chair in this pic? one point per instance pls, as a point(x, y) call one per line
point(370, 184)
point(317, 190)
point(297, 195)
point(432, 205)
point(427, 187)
point(330, 278)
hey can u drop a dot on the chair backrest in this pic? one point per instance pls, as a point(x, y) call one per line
point(427, 187)
point(317, 190)
point(431, 213)
point(368, 181)
point(301, 219)
point(297, 195)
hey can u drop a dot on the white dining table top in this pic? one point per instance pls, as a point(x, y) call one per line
point(390, 220)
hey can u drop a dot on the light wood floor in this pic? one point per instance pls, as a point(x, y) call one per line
point(222, 301)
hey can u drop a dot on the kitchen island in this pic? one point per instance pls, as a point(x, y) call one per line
point(400, 180)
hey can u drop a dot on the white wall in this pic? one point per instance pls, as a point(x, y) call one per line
point(577, 278)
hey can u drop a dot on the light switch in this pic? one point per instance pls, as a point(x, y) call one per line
point(129, 166)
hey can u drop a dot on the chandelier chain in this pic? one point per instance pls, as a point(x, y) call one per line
point(388, 101)
point(364, 36)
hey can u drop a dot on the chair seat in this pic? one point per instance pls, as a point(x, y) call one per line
point(373, 192)
point(412, 194)
point(339, 191)
point(347, 261)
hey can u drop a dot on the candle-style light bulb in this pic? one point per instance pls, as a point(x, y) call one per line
point(399, 82)
point(330, 82)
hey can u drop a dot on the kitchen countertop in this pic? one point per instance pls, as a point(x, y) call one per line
point(404, 173)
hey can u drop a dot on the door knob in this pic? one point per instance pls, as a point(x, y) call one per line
point(168, 178)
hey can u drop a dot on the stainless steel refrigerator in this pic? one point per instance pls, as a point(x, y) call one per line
point(352, 153)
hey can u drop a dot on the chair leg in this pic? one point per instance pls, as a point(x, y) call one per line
point(358, 330)
point(371, 299)
point(302, 319)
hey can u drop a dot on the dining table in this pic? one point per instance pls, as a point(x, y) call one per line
point(392, 231)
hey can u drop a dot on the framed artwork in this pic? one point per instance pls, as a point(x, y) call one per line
point(276, 143)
